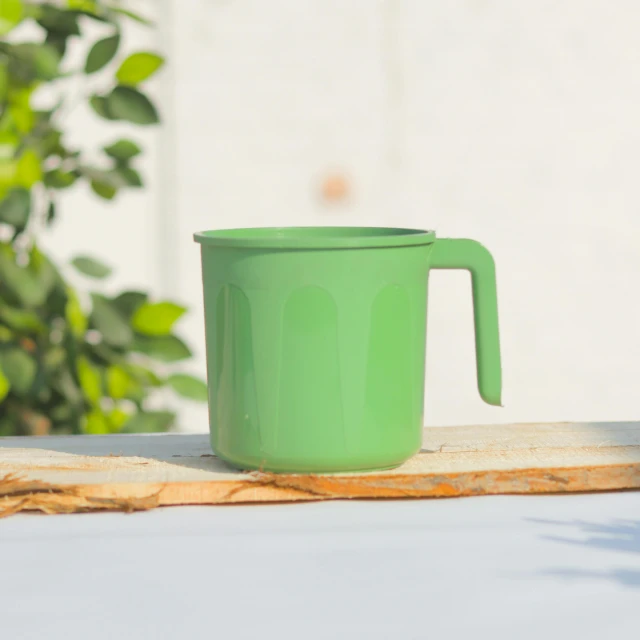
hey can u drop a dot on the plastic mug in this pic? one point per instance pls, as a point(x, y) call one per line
point(315, 342)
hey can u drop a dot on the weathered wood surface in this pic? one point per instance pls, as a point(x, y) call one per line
point(84, 473)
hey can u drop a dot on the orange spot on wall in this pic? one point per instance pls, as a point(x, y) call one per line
point(334, 188)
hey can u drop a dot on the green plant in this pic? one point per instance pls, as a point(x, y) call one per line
point(73, 361)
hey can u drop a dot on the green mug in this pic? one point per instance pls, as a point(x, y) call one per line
point(316, 342)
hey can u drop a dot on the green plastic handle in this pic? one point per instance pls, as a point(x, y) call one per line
point(454, 253)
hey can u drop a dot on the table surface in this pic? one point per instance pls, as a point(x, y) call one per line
point(495, 567)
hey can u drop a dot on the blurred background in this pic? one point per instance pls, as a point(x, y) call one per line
point(515, 124)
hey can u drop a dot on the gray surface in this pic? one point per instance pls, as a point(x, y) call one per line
point(496, 567)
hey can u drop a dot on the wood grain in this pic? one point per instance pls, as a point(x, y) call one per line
point(86, 473)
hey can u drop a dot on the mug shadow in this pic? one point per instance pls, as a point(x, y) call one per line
point(191, 451)
point(619, 535)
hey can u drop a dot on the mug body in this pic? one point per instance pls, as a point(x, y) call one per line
point(315, 343)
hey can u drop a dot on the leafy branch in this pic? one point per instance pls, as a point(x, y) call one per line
point(71, 360)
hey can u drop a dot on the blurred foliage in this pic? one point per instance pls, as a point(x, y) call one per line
point(74, 361)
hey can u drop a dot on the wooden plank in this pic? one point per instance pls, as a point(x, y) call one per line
point(83, 473)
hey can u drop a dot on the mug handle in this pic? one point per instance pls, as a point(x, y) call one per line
point(460, 253)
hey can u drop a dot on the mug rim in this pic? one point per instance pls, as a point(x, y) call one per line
point(315, 237)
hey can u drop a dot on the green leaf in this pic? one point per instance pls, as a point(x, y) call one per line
point(5, 385)
point(58, 41)
point(104, 189)
point(123, 150)
point(128, 301)
point(130, 176)
point(57, 300)
point(47, 60)
point(20, 368)
point(4, 81)
point(138, 67)
point(31, 60)
point(8, 144)
point(10, 15)
point(188, 386)
point(100, 106)
point(156, 319)
point(58, 21)
point(51, 212)
point(145, 376)
point(50, 144)
point(76, 317)
point(106, 354)
point(108, 320)
point(62, 413)
point(66, 385)
point(118, 382)
point(100, 14)
point(126, 103)
point(90, 381)
point(117, 419)
point(21, 320)
point(43, 269)
point(164, 348)
point(91, 267)
point(15, 208)
point(22, 116)
point(102, 53)
point(31, 9)
point(26, 282)
point(95, 422)
point(8, 426)
point(43, 394)
point(56, 179)
point(21, 96)
point(29, 169)
point(6, 335)
point(90, 6)
point(136, 391)
point(134, 16)
point(149, 422)
point(54, 358)
point(7, 176)
point(109, 177)
point(22, 69)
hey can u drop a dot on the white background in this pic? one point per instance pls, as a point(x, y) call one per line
point(516, 124)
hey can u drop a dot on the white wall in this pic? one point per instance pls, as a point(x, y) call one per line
point(514, 123)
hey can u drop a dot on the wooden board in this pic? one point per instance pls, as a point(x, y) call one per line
point(85, 473)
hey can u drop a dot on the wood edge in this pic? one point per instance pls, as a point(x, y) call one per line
point(24, 495)
point(269, 487)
